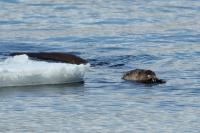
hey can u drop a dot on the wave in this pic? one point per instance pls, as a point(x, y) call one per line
point(22, 71)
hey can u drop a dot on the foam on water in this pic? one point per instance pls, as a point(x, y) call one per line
point(20, 71)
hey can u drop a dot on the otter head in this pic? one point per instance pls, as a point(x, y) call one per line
point(146, 75)
point(143, 76)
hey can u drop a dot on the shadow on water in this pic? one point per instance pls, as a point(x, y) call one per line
point(44, 90)
point(142, 85)
point(120, 61)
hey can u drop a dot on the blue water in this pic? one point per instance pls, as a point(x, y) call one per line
point(114, 36)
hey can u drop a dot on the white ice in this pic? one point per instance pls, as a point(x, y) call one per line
point(20, 71)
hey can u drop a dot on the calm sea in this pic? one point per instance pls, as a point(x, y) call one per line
point(114, 36)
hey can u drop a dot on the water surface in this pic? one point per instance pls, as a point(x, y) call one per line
point(114, 36)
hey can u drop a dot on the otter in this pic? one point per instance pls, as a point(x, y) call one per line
point(142, 76)
point(54, 56)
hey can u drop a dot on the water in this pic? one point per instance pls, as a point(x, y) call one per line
point(114, 36)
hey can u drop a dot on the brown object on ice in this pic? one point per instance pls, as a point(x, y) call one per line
point(54, 56)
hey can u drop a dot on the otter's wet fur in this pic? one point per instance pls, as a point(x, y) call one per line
point(142, 76)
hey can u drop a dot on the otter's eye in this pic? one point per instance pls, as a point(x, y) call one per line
point(149, 76)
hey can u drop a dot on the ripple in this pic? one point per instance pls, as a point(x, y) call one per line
point(115, 36)
point(10, 1)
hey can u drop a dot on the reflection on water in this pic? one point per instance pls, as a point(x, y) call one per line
point(38, 89)
point(115, 36)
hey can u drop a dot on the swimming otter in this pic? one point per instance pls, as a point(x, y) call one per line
point(54, 56)
point(142, 76)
